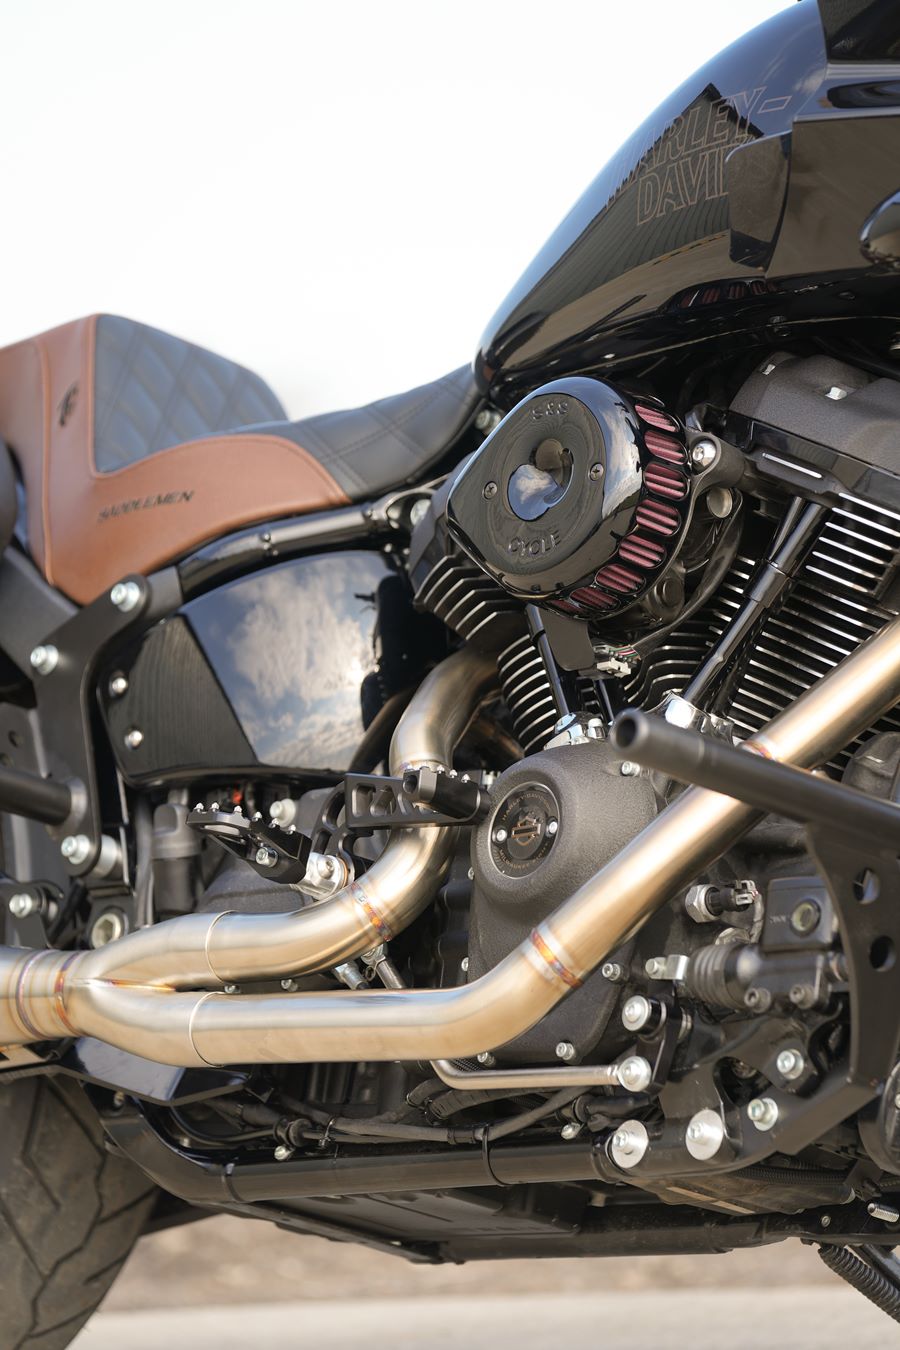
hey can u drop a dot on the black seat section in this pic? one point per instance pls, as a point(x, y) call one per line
point(387, 443)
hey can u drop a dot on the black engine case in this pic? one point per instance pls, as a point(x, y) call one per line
point(520, 879)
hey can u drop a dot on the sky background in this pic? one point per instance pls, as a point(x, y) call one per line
point(337, 195)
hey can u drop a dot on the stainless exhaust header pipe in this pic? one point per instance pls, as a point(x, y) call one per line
point(50, 995)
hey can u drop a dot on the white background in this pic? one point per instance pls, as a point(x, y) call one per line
point(337, 194)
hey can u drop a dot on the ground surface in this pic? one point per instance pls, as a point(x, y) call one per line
point(802, 1319)
point(228, 1260)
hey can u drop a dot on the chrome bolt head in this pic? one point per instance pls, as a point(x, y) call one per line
point(134, 738)
point(489, 490)
point(22, 904)
point(763, 1112)
point(126, 596)
point(118, 686)
point(107, 927)
point(325, 866)
point(276, 810)
point(552, 826)
point(704, 453)
point(571, 1131)
point(704, 1135)
point(290, 986)
point(565, 1051)
point(283, 1152)
point(636, 1013)
point(629, 1144)
point(500, 835)
point(231, 989)
point(635, 1073)
point(595, 472)
point(44, 658)
point(790, 1064)
point(612, 971)
point(655, 968)
point(76, 849)
point(486, 1059)
point(464, 964)
point(628, 769)
point(266, 857)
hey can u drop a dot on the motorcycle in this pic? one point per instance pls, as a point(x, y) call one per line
point(467, 825)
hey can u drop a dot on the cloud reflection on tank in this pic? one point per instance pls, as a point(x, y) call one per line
point(309, 652)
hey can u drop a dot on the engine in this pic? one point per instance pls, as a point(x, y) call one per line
point(613, 556)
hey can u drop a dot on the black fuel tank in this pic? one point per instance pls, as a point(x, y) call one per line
point(738, 202)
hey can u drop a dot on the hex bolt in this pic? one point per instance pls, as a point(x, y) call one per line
point(486, 1059)
point(107, 927)
point(565, 1050)
point(757, 1000)
point(290, 986)
point(763, 1112)
point(628, 769)
point(231, 988)
point(125, 595)
point(655, 968)
point(266, 857)
point(790, 1064)
point(44, 658)
point(118, 686)
point(76, 849)
point(704, 453)
point(629, 1144)
point(802, 995)
point(636, 1013)
point(283, 1152)
point(489, 490)
point(612, 971)
point(886, 1213)
point(500, 836)
point(571, 1131)
point(134, 738)
point(635, 1073)
point(22, 904)
point(704, 1135)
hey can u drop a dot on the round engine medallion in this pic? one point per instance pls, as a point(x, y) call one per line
point(524, 829)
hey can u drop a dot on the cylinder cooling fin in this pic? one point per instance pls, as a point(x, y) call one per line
point(578, 500)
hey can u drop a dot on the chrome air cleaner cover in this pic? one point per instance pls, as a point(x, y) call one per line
point(577, 500)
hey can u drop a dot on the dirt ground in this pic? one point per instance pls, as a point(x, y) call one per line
point(230, 1260)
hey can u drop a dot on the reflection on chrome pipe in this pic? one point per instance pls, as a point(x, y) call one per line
point(51, 994)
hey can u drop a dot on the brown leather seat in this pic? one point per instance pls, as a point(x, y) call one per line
point(94, 412)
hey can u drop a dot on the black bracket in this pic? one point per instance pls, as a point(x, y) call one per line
point(275, 853)
point(421, 797)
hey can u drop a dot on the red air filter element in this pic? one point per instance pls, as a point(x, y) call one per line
point(666, 481)
point(658, 517)
point(617, 578)
point(586, 595)
point(646, 553)
point(664, 447)
point(655, 417)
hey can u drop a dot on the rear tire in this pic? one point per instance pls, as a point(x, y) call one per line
point(70, 1212)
